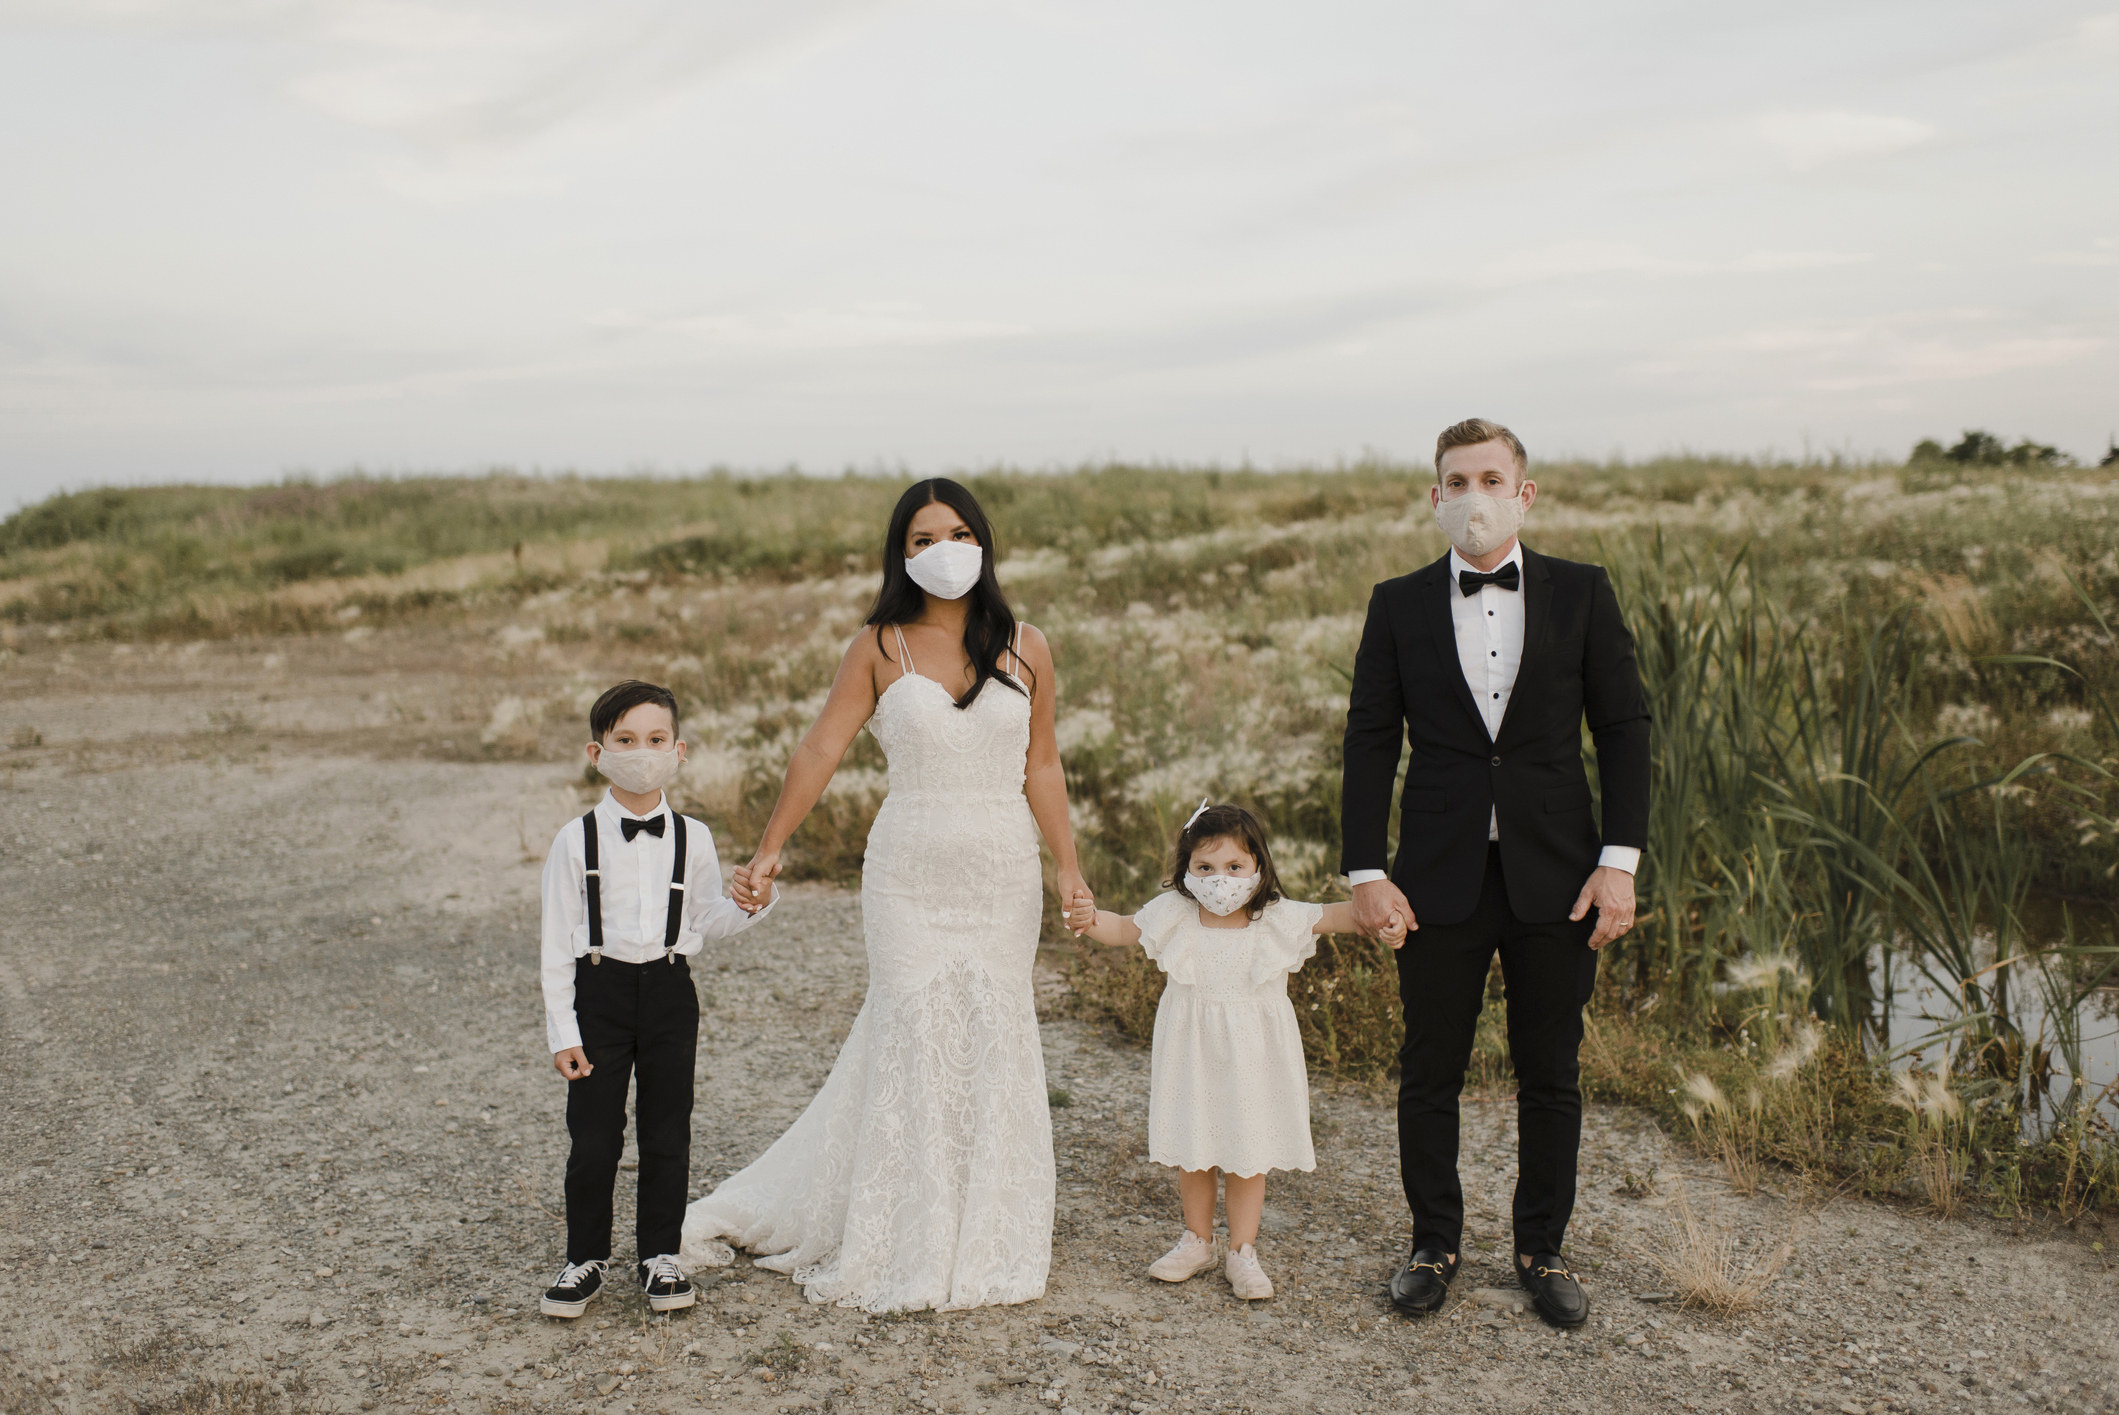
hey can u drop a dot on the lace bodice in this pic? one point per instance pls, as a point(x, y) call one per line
point(934, 747)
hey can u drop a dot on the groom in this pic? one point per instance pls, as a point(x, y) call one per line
point(1488, 662)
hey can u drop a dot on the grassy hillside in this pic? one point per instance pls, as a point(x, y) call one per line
point(1884, 701)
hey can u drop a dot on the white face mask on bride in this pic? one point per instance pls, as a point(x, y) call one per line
point(947, 569)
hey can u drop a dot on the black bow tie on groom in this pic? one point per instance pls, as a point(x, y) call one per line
point(632, 827)
point(1505, 578)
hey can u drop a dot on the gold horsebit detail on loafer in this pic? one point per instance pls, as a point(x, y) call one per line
point(1542, 1271)
point(1431, 1267)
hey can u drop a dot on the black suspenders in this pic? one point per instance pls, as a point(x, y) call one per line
point(595, 883)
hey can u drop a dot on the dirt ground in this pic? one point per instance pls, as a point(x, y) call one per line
point(280, 1135)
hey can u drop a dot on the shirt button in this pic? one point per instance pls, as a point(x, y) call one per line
point(1493, 653)
point(1497, 761)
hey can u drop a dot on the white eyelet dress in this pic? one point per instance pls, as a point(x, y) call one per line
point(1227, 1086)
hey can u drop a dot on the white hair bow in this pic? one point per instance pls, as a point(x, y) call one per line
point(1194, 816)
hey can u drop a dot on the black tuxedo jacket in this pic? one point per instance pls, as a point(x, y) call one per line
point(1578, 664)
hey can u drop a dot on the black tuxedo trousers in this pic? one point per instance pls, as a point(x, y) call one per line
point(1548, 970)
point(639, 1023)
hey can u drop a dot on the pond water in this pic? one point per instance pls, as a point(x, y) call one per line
point(1920, 1013)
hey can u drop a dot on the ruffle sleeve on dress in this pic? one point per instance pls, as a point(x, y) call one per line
point(1163, 934)
point(1285, 941)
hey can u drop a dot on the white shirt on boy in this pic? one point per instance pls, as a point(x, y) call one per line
point(1489, 625)
point(635, 889)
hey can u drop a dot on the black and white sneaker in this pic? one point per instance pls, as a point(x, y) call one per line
point(569, 1294)
point(666, 1285)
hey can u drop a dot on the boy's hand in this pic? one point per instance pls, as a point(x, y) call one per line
point(754, 881)
point(1081, 911)
point(573, 1063)
point(1393, 932)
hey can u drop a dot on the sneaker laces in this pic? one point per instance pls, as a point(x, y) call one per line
point(572, 1274)
point(663, 1269)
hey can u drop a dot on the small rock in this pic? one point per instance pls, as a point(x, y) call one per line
point(318, 1319)
point(1058, 1347)
point(606, 1384)
point(493, 1371)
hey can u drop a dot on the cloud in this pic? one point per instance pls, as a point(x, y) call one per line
point(875, 324)
point(2105, 252)
point(1913, 348)
point(1573, 259)
point(476, 75)
point(1811, 139)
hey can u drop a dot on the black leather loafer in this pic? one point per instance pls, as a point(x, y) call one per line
point(1422, 1285)
point(1554, 1290)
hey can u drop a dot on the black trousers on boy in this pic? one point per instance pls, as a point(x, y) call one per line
point(1548, 971)
point(639, 1021)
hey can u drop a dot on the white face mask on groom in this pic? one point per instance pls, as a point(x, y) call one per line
point(1477, 523)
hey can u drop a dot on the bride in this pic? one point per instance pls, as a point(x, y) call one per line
point(921, 1174)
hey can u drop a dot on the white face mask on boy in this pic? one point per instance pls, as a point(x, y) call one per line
point(641, 770)
point(947, 569)
point(1222, 895)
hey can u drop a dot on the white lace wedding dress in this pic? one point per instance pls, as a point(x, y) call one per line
point(921, 1174)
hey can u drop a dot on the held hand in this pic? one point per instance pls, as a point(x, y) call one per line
point(1073, 891)
point(1374, 905)
point(754, 881)
point(1610, 893)
point(1394, 931)
point(573, 1063)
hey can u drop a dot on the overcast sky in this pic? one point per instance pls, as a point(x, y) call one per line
point(243, 237)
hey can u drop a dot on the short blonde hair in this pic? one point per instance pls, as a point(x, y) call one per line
point(1473, 431)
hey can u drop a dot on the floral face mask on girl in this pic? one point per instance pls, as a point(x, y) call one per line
point(1222, 895)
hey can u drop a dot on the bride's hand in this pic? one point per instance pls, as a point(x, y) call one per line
point(754, 881)
point(1074, 893)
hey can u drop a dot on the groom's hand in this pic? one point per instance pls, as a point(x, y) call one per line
point(1610, 892)
point(573, 1063)
point(1375, 902)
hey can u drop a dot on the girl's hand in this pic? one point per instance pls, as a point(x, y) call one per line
point(1393, 932)
point(1072, 890)
point(754, 881)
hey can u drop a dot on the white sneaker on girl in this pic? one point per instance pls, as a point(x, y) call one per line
point(1192, 1255)
point(1244, 1274)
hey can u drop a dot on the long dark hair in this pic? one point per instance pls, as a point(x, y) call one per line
point(1230, 823)
point(989, 629)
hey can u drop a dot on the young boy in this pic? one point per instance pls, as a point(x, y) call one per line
point(631, 890)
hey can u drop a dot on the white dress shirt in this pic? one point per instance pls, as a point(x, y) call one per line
point(635, 890)
point(1489, 628)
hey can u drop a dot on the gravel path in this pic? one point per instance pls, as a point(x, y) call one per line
point(280, 1135)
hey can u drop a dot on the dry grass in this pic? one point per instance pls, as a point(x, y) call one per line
point(1708, 1267)
point(1936, 1162)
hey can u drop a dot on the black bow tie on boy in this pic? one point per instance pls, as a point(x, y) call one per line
point(1505, 578)
point(632, 827)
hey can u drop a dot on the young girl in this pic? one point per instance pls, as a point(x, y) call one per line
point(1227, 1089)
